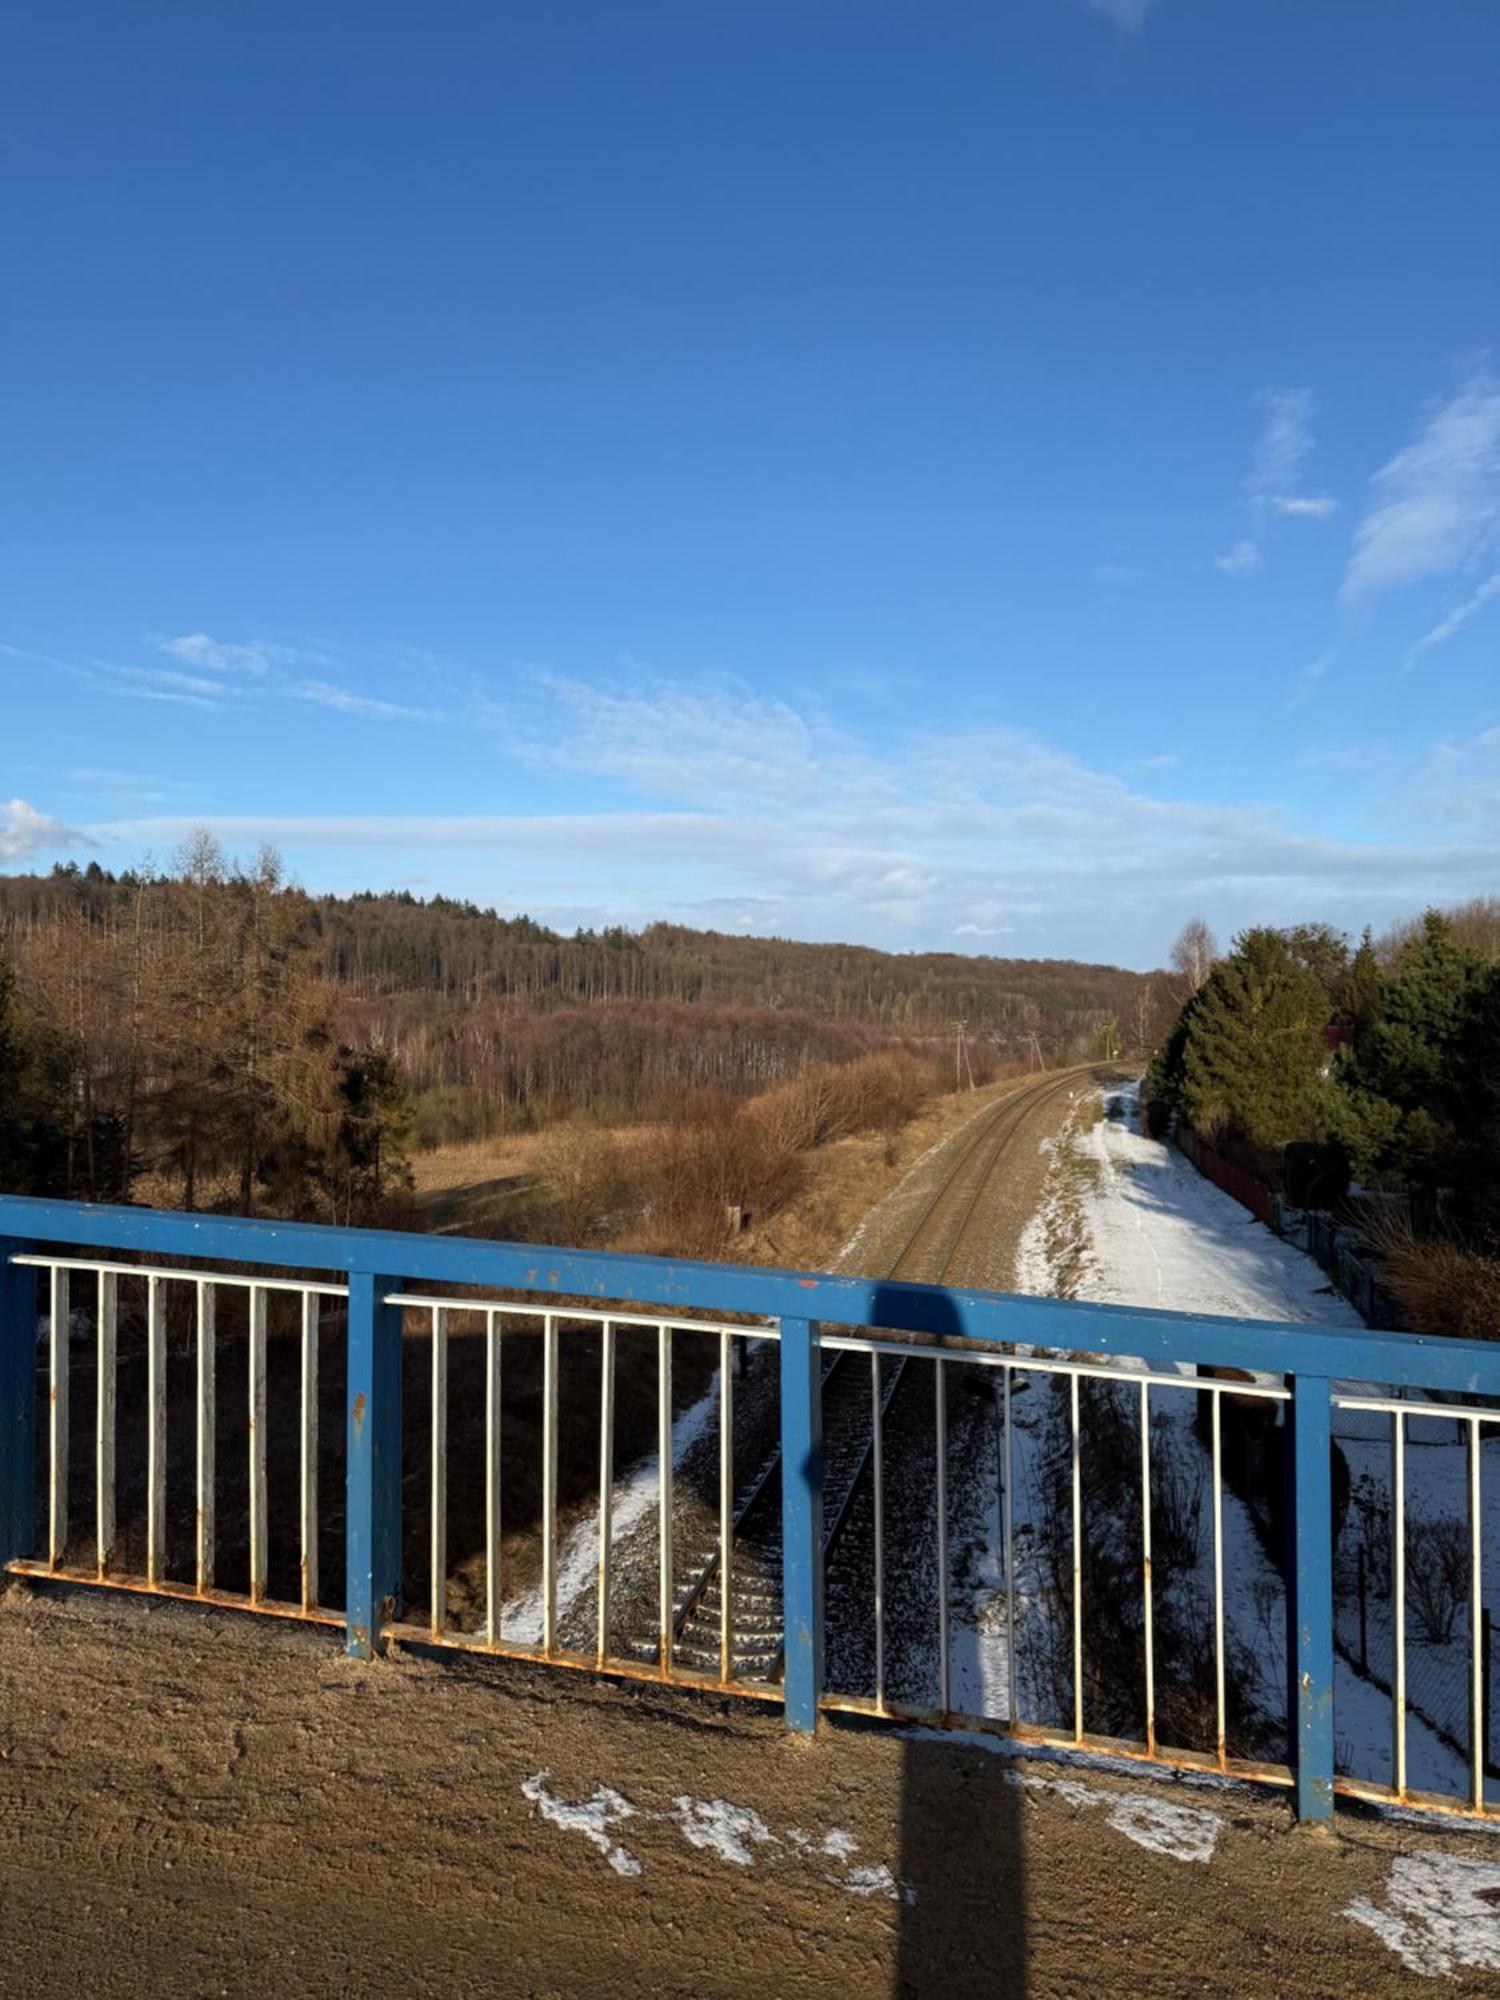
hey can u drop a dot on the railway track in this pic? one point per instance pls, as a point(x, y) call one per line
point(932, 1246)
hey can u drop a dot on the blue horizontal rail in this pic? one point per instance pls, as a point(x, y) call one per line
point(379, 1263)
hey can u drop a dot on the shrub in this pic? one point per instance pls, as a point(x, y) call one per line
point(879, 1093)
point(1437, 1574)
point(1441, 1285)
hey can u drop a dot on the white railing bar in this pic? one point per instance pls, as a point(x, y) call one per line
point(940, 1416)
point(258, 1493)
point(1462, 1413)
point(581, 1315)
point(726, 1505)
point(1398, 1593)
point(1012, 1697)
point(1218, 1479)
point(59, 1306)
point(1147, 1608)
point(877, 1485)
point(438, 1565)
point(1031, 1364)
point(664, 1515)
point(183, 1276)
point(606, 1483)
point(1077, 1564)
point(492, 1514)
point(204, 1460)
point(1476, 1614)
point(104, 1427)
point(156, 1452)
point(309, 1466)
point(549, 1485)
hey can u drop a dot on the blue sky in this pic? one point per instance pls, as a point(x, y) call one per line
point(1004, 477)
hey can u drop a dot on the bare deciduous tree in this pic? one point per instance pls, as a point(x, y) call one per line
point(1194, 954)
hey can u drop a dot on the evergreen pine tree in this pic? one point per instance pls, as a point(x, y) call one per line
point(1254, 1057)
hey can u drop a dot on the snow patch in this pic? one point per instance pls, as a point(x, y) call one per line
point(723, 1829)
point(736, 1834)
point(1442, 1913)
point(634, 1496)
point(593, 1818)
point(1183, 1833)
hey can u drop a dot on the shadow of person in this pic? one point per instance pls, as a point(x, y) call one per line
point(962, 1925)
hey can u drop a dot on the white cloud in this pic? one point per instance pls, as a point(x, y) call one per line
point(912, 840)
point(1460, 780)
point(1459, 617)
point(1305, 506)
point(1436, 505)
point(197, 649)
point(1281, 449)
point(1283, 445)
point(25, 832)
point(349, 703)
point(1129, 15)
point(1241, 560)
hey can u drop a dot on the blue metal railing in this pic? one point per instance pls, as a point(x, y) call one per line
point(379, 1265)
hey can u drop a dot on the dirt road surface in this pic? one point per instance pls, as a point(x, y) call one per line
point(200, 1803)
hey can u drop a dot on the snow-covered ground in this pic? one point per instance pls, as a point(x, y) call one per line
point(1128, 1221)
point(1158, 1234)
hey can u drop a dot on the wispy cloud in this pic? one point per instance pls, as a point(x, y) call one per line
point(1129, 15)
point(1304, 506)
point(1458, 617)
point(1113, 572)
point(1308, 680)
point(1281, 449)
point(1436, 504)
point(197, 649)
point(25, 832)
point(1242, 560)
point(347, 702)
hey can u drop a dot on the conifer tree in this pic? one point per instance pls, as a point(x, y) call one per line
point(1254, 1056)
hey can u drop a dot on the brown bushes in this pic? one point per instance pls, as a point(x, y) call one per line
point(879, 1093)
point(670, 1189)
point(1440, 1285)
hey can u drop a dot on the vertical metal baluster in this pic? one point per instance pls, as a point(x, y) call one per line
point(940, 1398)
point(664, 1456)
point(877, 1465)
point(606, 1483)
point(104, 1427)
point(258, 1501)
point(1218, 1458)
point(726, 1506)
point(438, 1525)
point(1398, 1593)
point(1012, 1692)
point(549, 1484)
point(59, 1307)
point(1147, 1607)
point(1476, 1617)
point(1077, 1567)
point(492, 1516)
point(207, 1304)
point(309, 1467)
point(156, 1453)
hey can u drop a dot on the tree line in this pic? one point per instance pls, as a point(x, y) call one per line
point(496, 1023)
point(181, 1039)
point(1385, 1053)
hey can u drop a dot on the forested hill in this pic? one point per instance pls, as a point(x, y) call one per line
point(382, 945)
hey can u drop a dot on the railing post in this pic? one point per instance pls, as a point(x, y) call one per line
point(373, 1518)
point(18, 1323)
point(802, 1520)
point(1309, 1595)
